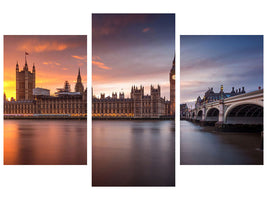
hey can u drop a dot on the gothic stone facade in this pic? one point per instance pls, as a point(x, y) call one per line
point(25, 82)
point(27, 103)
point(211, 96)
point(138, 106)
point(65, 104)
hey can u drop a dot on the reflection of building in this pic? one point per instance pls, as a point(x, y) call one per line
point(211, 96)
point(39, 101)
point(25, 82)
point(138, 105)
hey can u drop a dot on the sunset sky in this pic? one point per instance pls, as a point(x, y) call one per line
point(56, 59)
point(132, 49)
point(211, 61)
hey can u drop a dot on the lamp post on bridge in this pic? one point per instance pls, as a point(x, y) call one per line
point(220, 122)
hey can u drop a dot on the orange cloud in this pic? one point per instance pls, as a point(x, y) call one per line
point(51, 63)
point(101, 65)
point(146, 30)
point(42, 46)
point(80, 57)
point(50, 47)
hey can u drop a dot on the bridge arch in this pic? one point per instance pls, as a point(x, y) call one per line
point(212, 114)
point(244, 113)
point(199, 114)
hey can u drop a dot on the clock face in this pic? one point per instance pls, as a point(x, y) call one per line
point(173, 77)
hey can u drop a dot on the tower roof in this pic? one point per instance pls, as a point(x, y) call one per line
point(17, 66)
point(173, 64)
point(25, 67)
point(26, 64)
point(79, 79)
point(79, 86)
point(33, 68)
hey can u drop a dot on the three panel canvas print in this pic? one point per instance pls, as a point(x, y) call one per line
point(133, 100)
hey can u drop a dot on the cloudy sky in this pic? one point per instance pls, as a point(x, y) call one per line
point(132, 49)
point(56, 59)
point(211, 61)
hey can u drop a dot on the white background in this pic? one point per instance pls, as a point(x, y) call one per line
point(74, 18)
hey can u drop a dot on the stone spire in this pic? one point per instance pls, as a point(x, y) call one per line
point(17, 66)
point(79, 79)
point(33, 68)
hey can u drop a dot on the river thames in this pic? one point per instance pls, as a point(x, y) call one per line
point(133, 153)
point(45, 142)
point(205, 146)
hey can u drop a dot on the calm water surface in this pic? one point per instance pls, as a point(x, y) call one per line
point(45, 142)
point(133, 153)
point(203, 145)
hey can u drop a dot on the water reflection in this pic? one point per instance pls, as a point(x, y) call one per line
point(203, 145)
point(45, 142)
point(133, 153)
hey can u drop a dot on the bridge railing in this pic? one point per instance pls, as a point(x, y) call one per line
point(256, 92)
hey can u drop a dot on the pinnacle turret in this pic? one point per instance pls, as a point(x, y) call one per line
point(79, 85)
point(33, 68)
point(17, 66)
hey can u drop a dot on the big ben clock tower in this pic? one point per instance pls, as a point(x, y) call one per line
point(172, 88)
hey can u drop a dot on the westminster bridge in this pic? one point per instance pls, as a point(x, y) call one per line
point(242, 111)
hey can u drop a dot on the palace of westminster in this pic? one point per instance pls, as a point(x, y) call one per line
point(38, 101)
point(138, 105)
point(31, 100)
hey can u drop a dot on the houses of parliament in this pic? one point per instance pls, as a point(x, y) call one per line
point(38, 101)
point(31, 100)
point(138, 105)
